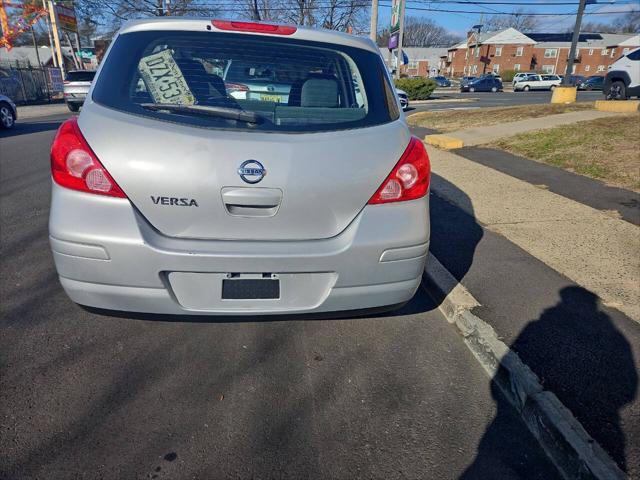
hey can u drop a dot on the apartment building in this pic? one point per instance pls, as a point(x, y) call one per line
point(510, 49)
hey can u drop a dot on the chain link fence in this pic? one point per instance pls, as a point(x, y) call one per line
point(24, 83)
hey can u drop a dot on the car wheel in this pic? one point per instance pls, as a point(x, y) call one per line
point(472, 89)
point(494, 89)
point(526, 88)
point(73, 107)
point(617, 91)
point(7, 119)
point(552, 88)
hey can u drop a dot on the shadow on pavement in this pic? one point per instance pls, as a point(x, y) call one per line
point(26, 127)
point(578, 348)
point(554, 347)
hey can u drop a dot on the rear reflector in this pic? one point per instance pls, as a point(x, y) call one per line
point(75, 166)
point(254, 27)
point(409, 179)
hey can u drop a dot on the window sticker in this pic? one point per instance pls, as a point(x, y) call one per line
point(164, 79)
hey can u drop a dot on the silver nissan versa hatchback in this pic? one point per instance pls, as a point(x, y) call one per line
point(171, 195)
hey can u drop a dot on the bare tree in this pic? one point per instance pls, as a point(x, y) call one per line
point(628, 23)
point(422, 32)
point(520, 19)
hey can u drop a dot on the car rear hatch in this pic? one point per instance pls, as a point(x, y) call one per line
point(304, 171)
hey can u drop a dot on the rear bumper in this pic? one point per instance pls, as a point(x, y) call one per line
point(108, 256)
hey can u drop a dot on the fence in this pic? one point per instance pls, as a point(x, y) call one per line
point(24, 83)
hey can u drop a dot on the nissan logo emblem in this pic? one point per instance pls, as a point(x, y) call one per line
point(251, 171)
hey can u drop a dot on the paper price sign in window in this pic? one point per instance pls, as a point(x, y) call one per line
point(164, 79)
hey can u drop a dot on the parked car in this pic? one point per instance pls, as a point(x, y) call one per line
point(595, 82)
point(174, 197)
point(76, 86)
point(623, 78)
point(574, 80)
point(8, 112)
point(404, 98)
point(521, 76)
point(442, 81)
point(537, 82)
point(483, 84)
point(466, 80)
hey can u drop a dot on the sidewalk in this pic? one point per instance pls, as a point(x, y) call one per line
point(481, 135)
point(589, 247)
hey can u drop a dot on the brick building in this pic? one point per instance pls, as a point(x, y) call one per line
point(510, 49)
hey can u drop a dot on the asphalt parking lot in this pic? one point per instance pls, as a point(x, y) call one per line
point(487, 99)
point(89, 394)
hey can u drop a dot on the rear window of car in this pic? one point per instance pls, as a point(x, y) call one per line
point(265, 83)
point(86, 76)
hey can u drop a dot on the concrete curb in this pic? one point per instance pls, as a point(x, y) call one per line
point(624, 106)
point(565, 441)
point(444, 141)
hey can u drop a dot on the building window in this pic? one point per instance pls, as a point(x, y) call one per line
point(551, 53)
point(496, 68)
point(519, 51)
point(613, 52)
point(587, 68)
point(601, 68)
point(475, 69)
point(591, 51)
point(604, 52)
point(516, 67)
point(413, 64)
point(498, 51)
point(466, 54)
point(477, 52)
point(548, 69)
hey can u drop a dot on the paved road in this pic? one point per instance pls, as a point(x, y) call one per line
point(87, 395)
point(488, 99)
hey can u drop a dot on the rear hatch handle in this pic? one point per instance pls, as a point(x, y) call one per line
point(251, 201)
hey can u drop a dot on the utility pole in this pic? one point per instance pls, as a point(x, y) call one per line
point(373, 28)
point(35, 45)
point(566, 81)
point(56, 37)
point(400, 39)
point(46, 21)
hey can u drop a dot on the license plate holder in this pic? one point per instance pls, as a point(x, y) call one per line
point(238, 288)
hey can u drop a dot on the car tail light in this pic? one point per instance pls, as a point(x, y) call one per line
point(254, 27)
point(409, 179)
point(75, 166)
point(236, 87)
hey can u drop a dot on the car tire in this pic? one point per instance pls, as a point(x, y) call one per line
point(552, 88)
point(74, 107)
point(7, 117)
point(472, 89)
point(494, 89)
point(617, 91)
point(526, 88)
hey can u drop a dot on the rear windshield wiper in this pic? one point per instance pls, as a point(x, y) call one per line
point(205, 110)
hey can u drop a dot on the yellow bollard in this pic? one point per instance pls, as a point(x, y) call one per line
point(564, 95)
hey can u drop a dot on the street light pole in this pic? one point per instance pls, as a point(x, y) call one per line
point(566, 81)
point(373, 28)
point(400, 39)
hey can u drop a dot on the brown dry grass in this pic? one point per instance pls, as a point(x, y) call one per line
point(607, 148)
point(451, 120)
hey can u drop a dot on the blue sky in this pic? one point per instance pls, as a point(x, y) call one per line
point(459, 23)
